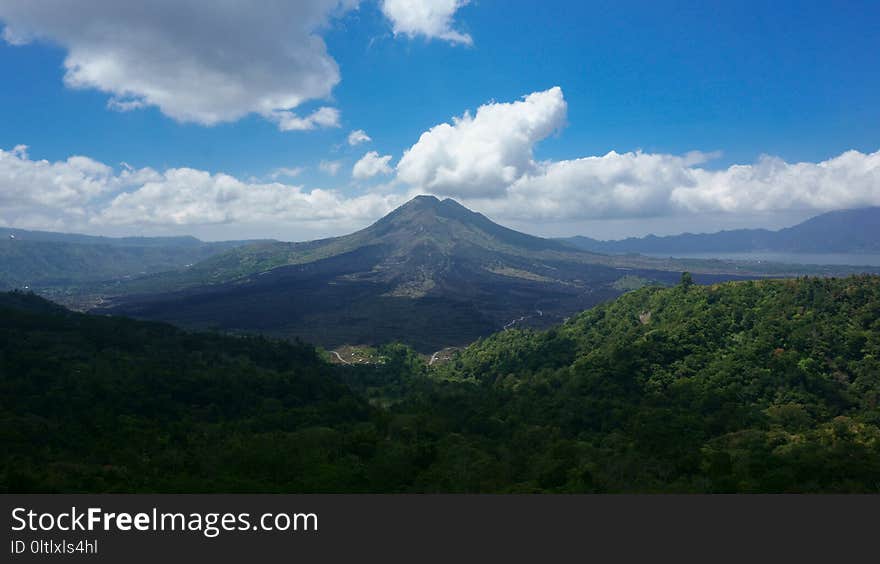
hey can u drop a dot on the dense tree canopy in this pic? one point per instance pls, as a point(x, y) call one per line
point(749, 386)
point(767, 386)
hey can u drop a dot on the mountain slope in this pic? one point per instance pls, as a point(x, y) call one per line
point(58, 261)
point(56, 237)
point(847, 231)
point(445, 226)
point(431, 273)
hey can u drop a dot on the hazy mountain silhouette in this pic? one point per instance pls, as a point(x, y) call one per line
point(41, 259)
point(847, 231)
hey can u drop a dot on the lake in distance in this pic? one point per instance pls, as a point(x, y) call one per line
point(839, 259)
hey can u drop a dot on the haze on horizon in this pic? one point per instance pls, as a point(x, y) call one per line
point(556, 120)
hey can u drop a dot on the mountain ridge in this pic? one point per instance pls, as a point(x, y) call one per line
point(854, 230)
point(431, 273)
point(43, 259)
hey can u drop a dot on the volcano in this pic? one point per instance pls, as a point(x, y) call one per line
point(431, 274)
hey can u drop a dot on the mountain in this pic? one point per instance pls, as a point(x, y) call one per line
point(847, 231)
point(58, 262)
point(55, 237)
point(431, 273)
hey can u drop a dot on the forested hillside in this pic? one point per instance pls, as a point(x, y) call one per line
point(768, 386)
point(111, 404)
point(59, 263)
point(747, 386)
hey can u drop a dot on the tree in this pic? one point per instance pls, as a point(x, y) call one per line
point(686, 280)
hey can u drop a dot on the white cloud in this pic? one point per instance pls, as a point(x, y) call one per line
point(482, 155)
point(614, 185)
point(636, 184)
point(330, 167)
point(197, 61)
point(849, 180)
point(428, 18)
point(83, 194)
point(57, 193)
point(322, 117)
point(289, 172)
point(370, 165)
point(487, 161)
point(185, 196)
point(639, 184)
point(121, 105)
point(357, 137)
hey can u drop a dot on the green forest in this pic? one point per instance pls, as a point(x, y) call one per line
point(755, 386)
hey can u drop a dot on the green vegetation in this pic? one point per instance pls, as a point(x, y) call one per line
point(767, 386)
point(629, 283)
point(763, 386)
point(66, 266)
point(110, 404)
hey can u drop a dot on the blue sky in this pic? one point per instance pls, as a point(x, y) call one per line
point(797, 81)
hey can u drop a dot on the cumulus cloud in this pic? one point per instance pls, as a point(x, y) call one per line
point(487, 161)
point(83, 194)
point(185, 196)
point(322, 117)
point(849, 180)
point(432, 19)
point(482, 155)
point(330, 167)
point(80, 193)
point(370, 165)
point(197, 61)
point(357, 137)
point(614, 185)
point(46, 194)
point(636, 184)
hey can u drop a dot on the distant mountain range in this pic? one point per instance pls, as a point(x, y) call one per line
point(42, 259)
point(848, 231)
